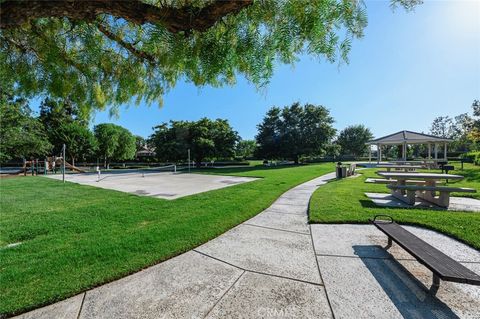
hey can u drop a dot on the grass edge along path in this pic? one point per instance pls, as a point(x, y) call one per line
point(77, 237)
point(344, 201)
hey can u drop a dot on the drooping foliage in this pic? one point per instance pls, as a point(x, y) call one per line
point(102, 53)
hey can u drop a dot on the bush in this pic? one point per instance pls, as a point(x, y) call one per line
point(472, 157)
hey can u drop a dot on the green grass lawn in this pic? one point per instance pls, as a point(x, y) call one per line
point(344, 201)
point(76, 237)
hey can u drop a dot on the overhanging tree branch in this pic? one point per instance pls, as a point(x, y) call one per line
point(14, 13)
point(128, 46)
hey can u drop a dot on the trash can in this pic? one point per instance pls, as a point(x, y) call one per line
point(341, 170)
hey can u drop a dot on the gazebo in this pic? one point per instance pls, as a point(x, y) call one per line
point(405, 138)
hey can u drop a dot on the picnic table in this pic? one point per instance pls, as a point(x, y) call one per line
point(406, 168)
point(426, 188)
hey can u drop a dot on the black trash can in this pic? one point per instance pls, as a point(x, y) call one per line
point(341, 170)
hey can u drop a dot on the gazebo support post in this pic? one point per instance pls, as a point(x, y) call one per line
point(369, 153)
point(445, 151)
point(379, 151)
point(429, 151)
point(436, 151)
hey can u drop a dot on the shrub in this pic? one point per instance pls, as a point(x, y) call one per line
point(472, 157)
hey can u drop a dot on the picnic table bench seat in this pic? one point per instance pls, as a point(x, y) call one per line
point(390, 181)
point(433, 188)
point(407, 193)
point(442, 266)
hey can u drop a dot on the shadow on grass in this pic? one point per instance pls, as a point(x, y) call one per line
point(408, 294)
point(368, 203)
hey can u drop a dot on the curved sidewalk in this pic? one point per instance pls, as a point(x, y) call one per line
point(265, 267)
point(275, 265)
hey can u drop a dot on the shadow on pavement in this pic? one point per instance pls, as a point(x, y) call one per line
point(408, 294)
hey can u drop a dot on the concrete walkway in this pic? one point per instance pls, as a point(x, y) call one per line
point(277, 266)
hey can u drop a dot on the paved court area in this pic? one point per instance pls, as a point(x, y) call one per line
point(165, 185)
point(275, 265)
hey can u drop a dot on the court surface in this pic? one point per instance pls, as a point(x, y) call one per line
point(166, 185)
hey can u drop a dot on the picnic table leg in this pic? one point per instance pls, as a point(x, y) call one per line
point(444, 199)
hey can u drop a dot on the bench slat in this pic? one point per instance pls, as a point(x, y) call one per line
point(439, 263)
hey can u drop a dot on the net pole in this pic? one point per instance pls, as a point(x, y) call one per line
point(63, 162)
point(189, 160)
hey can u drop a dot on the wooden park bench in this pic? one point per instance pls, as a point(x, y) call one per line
point(442, 266)
point(407, 193)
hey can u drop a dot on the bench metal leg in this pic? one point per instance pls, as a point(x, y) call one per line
point(435, 284)
point(389, 244)
point(436, 281)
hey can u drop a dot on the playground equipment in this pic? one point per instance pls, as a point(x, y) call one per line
point(51, 164)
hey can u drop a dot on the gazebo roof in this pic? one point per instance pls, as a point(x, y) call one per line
point(408, 137)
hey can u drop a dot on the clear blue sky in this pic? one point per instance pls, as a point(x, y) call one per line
point(408, 68)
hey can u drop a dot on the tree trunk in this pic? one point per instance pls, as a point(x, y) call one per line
point(198, 163)
point(296, 159)
point(73, 161)
point(15, 13)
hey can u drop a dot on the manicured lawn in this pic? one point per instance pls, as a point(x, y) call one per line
point(344, 201)
point(76, 237)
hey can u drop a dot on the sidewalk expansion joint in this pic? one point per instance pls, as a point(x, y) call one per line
point(272, 228)
point(224, 294)
point(279, 212)
point(260, 272)
point(81, 304)
point(320, 274)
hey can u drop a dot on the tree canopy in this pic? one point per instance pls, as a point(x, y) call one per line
point(114, 142)
point(206, 139)
point(352, 140)
point(294, 131)
point(64, 125)
point(245, 148)
point(21, 134)
point(99, 53)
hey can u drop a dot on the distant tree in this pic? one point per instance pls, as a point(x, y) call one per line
point(442, 126)
point(21, 134)
point(268, 138)
point(80, 141)
point(294, 131)
point(352, 140)
point(461, 128)
point(140, 143)
point(474, 133)
point(205, 138)
point(332, 150)
point(245, 148)
point(114, 142)
point(61, 117)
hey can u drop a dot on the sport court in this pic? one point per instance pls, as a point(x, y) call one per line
point(159, 184)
